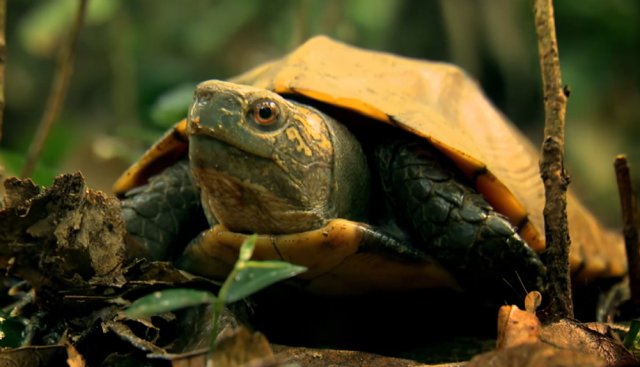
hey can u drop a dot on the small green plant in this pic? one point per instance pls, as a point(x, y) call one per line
point(246, 278)
point(632, 339)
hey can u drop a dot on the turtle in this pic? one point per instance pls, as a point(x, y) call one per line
point(377, 172)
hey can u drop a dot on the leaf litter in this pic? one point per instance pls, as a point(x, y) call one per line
point(69, 243)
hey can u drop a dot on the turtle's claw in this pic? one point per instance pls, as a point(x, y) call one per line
point(26, 300)
point(31, 329)
point(20, 287)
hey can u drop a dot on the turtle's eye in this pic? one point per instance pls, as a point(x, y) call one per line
point(265, 112)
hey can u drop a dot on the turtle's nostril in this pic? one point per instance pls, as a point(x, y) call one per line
point(203, 95)
point(227, 101)
point(207, 97)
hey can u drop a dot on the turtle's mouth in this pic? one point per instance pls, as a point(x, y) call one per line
point(220, 138)
point(196, 128)
point(219, 155)
point(245, 205)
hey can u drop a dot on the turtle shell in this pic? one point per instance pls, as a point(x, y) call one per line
point(440, 103)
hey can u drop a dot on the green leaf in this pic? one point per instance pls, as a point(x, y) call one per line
point(247, 249)
point(168, 300)
point(62, 139)
point(211, 28)
point(631, 339)
point(173, 105)
point(43, 174)
point(374, 20)
point(253, 276)
point(42, 28)
point(143, 134)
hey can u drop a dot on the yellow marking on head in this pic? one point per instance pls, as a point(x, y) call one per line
point(293, 134)
point(310, 118)
point(279, 162)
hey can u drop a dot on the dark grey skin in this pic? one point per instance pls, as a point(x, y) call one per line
point(302, 169)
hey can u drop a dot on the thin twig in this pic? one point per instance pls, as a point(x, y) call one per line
point(3, 58)
point(300, 24)
point(552, 169)
point(631, 225)
point(58, 92)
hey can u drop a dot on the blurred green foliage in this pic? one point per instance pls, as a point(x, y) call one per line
point(137, 62)
point(11, 331)
point(171, 106)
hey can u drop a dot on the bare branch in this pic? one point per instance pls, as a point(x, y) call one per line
point(631, 225)
point(552, 169)
point(3, 60)
point(3, 57)
point(58, 92)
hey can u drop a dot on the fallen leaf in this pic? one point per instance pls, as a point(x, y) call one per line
point(309, 357)
point(233, 348)
point(532, 301)
point(33, 356)
point(536, 355)
point(74, 359)
point(238, 347)
point(66, 232)
point(125, 333)
point(194, 325)
point(18, 192)
point(571, 334)
point(516, 327)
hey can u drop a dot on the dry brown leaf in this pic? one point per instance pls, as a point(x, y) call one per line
point(571, 334)
point(532, 301)
point(536, 355)
point(67, 233)
point(235, 348)
point(33, 356)
point(74, 359)
point(309, 357)
point(516, 327)
point(18, 192)
point(126, 334)
point(522, 342)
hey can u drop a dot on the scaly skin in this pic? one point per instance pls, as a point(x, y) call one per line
point(450, 221)
point(165, 214)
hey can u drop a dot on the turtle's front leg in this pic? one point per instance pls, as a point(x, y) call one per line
point(343, 257)
point(207, 257)
point(454, 224)
point(164, 213)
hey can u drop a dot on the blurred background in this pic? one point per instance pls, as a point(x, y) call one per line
point(137, 63)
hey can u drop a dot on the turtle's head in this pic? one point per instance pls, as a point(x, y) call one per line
point(269, 165)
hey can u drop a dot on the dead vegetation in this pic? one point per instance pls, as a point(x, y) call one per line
point(68, 241)
point(554, 175)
